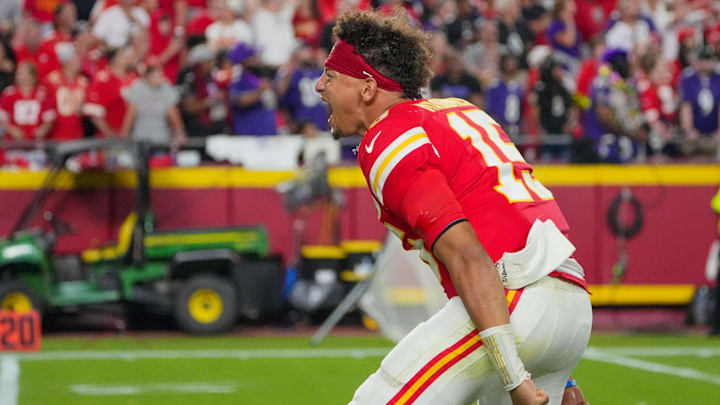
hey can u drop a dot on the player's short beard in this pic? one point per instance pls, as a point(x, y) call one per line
point(336, 134)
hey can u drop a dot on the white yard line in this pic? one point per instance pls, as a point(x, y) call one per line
point(607, 357)
point(358, 353)
point(157, 388)
point(668, 351)
point(9, 377)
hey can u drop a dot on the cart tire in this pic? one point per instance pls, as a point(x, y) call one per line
point(206, 304)
point(16, 295)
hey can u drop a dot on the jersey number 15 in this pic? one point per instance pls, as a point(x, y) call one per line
point(497, 151)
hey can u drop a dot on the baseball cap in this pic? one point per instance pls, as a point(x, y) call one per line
point(199, 53)
point(241, 51)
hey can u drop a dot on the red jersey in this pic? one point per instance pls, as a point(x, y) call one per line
point(67, 96)
point(47, 59)
point(27, 112)
point(25, 54)
point(161, 36)
point(432, 163)
point(658, 101)
point(104, 98)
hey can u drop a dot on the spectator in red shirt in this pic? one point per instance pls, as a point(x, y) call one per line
point(165, 45)
point(688, 43)
point(104, 100)
point(26, 44)
point(657, 97)
point(307, 23)
point(588, 71)
point(67, 88)
point(64, 19)
point(25, 111)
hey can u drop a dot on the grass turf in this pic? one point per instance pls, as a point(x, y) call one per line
point(315, 380)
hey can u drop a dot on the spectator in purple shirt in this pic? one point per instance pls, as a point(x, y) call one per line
point(564, 36)
point(700, 95)
point(505, 94)
point(252, 99)
point(614, 122)
point(296, 90)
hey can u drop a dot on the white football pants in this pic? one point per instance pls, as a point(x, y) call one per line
point(442, 361)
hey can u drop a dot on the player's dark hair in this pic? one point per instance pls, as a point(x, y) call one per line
point(391, 45)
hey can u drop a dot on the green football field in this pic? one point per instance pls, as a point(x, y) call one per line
point(283, 369)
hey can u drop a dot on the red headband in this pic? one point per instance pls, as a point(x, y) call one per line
point(345, 60)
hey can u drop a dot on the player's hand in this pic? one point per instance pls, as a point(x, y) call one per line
point(573, 396)
point(527, 394)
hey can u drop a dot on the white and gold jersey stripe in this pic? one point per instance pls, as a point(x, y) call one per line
point(392, 155)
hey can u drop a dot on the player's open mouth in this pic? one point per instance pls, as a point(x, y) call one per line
point(330, 112)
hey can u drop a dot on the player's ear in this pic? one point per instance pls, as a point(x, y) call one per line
point(369, 89)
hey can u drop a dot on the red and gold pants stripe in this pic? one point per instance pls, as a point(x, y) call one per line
point(433, 369)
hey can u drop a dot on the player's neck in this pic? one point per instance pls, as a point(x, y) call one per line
point(377, 109)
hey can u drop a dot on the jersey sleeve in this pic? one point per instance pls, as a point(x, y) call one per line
point(430, 206)
point(408, 182)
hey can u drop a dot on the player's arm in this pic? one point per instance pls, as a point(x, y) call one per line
point(438, 217)
point(477, 282)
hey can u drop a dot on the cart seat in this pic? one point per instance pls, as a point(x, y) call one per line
point(114, 251)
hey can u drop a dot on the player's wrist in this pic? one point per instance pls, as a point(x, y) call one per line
point(499, 341)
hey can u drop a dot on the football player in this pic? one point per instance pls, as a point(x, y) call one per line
point(446, 180)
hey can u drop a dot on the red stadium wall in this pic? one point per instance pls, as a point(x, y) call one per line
point(670, 249)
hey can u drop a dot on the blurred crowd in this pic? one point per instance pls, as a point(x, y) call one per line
point(579, 80)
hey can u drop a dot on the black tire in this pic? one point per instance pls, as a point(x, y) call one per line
point(18, 287)
point(203, 293)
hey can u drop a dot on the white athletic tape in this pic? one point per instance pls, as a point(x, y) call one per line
point(499, 341)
